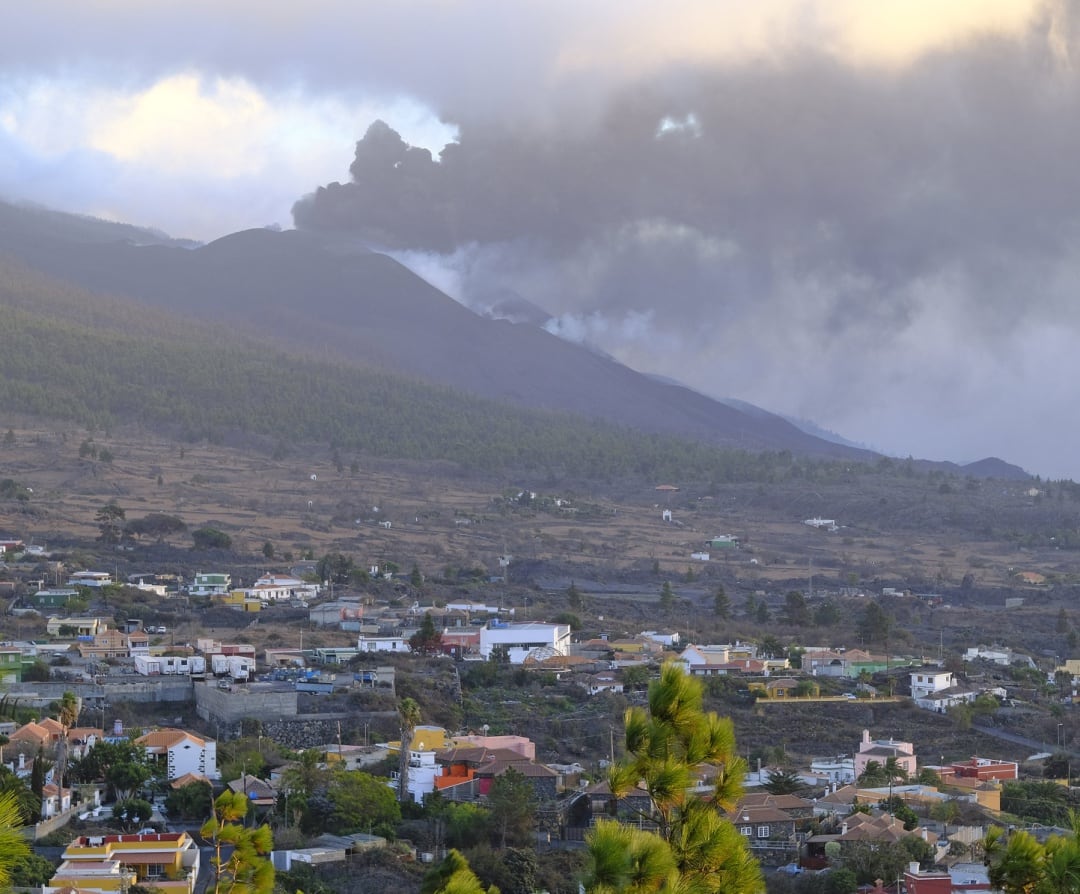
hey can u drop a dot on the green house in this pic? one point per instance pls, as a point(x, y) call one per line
point(11, 665)
point(56, 598)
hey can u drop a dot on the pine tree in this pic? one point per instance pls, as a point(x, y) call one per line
point(428, 638)
point(241, 860)
point(574, 598)
point(454, 876)
point(110, 519)
point(667, 596)
point(696, 848)
point(722, 603)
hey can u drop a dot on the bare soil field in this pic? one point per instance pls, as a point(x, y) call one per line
point(610, 538)
point(430, 514)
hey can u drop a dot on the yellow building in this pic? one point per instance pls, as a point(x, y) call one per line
point(112, 863)
point(75, 626)
point(242, 600)
point(1070, 667)
point(425, 738)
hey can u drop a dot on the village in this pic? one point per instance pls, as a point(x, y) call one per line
point(332, 705)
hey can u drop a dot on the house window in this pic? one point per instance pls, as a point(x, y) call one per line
point(746, 830)
point(762, 831)
point(155, 870)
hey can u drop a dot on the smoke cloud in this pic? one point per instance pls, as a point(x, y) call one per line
point(891, 251)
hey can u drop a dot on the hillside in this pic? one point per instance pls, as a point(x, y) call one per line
point(317, 298)
point(100, 363)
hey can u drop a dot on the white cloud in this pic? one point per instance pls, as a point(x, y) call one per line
point(182, 124)
point(197, 156)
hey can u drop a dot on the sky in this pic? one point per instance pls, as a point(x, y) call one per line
point(862, 213)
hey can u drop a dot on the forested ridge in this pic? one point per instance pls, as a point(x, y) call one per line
point(101, 361)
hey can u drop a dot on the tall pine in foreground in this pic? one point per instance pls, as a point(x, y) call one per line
point(695, 849)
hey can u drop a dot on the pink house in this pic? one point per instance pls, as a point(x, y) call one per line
point(881, 750)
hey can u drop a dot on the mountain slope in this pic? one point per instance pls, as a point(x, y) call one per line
point(103, 361)
point(335, 302)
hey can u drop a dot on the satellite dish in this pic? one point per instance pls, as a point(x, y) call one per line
point(314, 477)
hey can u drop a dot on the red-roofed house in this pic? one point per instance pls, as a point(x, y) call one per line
point(181, 752)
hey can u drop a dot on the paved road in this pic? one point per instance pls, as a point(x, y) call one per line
point(798, 700)
point(1034, 744)
point(202, 880)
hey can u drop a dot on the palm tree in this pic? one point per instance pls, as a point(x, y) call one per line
point(67, 710)
point(1016, 865)
point(895, 770)
point(1061, 865)
point(1021, 865)
point(409, 714)
point(13, 846)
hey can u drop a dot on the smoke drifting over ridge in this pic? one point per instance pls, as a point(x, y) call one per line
point(890, 252)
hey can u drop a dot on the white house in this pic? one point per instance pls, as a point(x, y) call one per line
point(279, 588)
point(708, 661)
point(998, 655)
point(934, 690)
point(367, 643)
point(479, 608)
point(605, 681)
point(90, 579)
point(157, 589)
point(525, 639)
point(839, 769)
point(181, 752)
point(54, 800)
point(663, 637)
point(422, 773)
point(928, 680)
